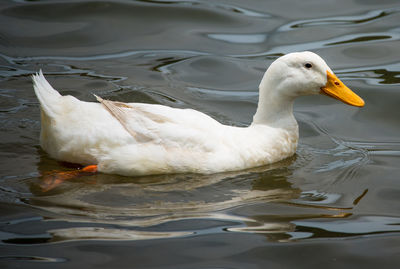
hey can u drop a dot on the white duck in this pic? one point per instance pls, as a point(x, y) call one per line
point(142, 139)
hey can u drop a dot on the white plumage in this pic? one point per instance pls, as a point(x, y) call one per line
point(141, 139)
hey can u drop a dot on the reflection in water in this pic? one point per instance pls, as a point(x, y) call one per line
point(151, 200)
point(136, 206)
point(110, 207)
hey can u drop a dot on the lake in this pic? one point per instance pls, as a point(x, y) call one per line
point(335, 204)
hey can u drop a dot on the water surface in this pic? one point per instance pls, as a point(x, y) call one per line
point(334, 204)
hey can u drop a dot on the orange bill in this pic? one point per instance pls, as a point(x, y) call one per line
point(336, 89)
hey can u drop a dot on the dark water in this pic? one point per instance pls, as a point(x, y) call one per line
point(333, 205)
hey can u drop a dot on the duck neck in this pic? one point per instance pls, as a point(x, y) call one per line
point(274, 109)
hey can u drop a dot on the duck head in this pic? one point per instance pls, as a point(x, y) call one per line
point(305, 73)
point(297, 74)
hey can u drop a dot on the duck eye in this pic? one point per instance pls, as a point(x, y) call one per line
point(308, 65)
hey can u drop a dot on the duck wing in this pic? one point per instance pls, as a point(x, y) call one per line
point(147, 122)
point(130, 118)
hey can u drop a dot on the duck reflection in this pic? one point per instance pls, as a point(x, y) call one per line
point(261, 200)
point(165, 194)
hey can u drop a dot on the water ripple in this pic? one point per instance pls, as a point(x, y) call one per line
point(31, 259)
point(339, 20)
point(374, 74)
point(105, 56)
point(99, 233)
point(223, 94)
point(375, 37)
point(240, 38)
point(358, 226)
point(212, 5)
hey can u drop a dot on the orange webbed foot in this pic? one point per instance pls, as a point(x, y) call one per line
point(53, 179)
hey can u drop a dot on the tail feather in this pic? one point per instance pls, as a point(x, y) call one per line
point(47, 95)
